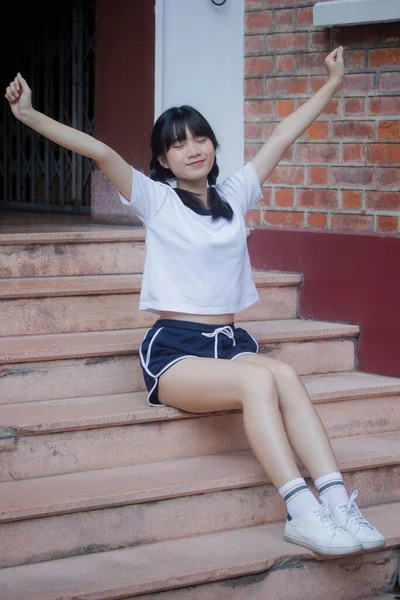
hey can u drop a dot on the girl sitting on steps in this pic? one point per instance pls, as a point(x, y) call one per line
point(197, 275)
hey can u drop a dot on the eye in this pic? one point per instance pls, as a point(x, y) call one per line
point(201, 140)
point(178, 145)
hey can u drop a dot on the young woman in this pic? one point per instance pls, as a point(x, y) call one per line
point(197, 275)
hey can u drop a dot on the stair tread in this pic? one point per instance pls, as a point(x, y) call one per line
point(127, 341)
point(117, 409)
point(34, 287)
point(52, 233)
point(89, 490)
point(170, 564)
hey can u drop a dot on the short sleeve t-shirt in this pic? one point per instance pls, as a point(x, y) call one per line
point(193, 264)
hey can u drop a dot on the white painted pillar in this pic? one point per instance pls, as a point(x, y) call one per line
point(199, 61)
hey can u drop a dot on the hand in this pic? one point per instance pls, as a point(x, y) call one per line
point(335, 66)
point(19, 96)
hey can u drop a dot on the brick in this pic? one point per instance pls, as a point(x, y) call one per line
point(318, 175)
point(355, 36)
point(321, 39)
point(288, 156)
point(358, 176)
point(384, 106)
point(254, 86)
point(284, 197)
point(389, 130)
point(390, 82)
point(253, 217)
point(317, 220)
point(287, 41)
point(250, 150)
point(317, 199)
point(354, 106)
point(284, 19)
point(383, 154)
point(284, 107)
point(344, 222)
point(254, 43)
point(354, 59)
point(304, 16)
point(384, 57)
point(255, 3)
point(312, 61)
point(284, 218)
point(258, 108)
point(318, 131)
point(354, 130)
point(383, 201)
point(359, 82)
point(286, 62)
point(266, 199)
point(257, 65)
point(284, 2)
point(388, 224)
point(258, 20)
point(391, 33)
point(332, 109)
point(290, 175)
point(351, 200)
point(388, 177)
point(352, 153)
point(317, 153)
point(286, 85)
point(253, 131)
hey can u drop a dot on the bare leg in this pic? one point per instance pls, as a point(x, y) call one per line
point(206, 385)
point(306, 433)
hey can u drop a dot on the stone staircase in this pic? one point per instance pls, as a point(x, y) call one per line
point(104, 497)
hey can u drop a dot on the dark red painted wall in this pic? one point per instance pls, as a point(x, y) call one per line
point(348, 277)
point(125, 34)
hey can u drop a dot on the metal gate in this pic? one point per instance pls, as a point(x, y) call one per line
point(57, 59)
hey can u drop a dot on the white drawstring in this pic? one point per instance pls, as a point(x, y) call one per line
point(227, 330)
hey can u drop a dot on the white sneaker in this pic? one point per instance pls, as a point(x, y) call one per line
point(348, 515)
point(319, 532)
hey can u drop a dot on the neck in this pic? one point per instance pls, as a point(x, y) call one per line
point(195, 187)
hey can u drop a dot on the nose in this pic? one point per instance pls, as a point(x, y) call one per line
point(193, 149)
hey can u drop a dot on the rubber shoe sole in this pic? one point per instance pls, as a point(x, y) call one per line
point(324, 550)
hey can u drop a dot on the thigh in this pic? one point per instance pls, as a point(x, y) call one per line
point(277, 367)
point(205, 384)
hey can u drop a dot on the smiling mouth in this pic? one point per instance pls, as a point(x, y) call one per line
point(196, 164)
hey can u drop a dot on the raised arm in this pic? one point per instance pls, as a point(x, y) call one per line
point(113, 166)
point(291, 128)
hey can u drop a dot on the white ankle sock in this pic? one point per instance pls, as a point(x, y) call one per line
point(298, 498)
point(332, 488)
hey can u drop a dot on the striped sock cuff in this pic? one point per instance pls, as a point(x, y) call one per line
point(334, 483)
point(295, 491)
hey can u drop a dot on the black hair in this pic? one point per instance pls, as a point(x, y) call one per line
point(171, 127)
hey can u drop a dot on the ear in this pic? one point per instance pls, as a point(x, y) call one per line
point(163, 161)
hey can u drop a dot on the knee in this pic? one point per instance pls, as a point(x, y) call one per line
point(258, 385)
point(285, 373)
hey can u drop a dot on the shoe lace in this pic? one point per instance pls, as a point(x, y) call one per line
point(324, 514)
point(353, 513)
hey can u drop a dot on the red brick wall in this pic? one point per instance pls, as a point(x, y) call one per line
point(343, 173)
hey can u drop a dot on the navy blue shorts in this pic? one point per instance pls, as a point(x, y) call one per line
point(170, 340)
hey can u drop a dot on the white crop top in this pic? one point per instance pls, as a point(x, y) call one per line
point(193, 264)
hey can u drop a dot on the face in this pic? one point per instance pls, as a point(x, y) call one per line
point(191, 159)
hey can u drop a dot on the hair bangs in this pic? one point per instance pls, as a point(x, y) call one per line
point(176, 120)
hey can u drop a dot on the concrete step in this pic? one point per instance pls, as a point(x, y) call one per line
point(83, 364)
point(253, 562)
point(121, 429)
point(73, 514)
point(72, 255)
point(48, 305)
